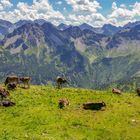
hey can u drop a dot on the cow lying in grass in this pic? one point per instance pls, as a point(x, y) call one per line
point(7, 103)
point(94, 106)
point(60, 81)
point(25, 81)
point(3, 93)
point(11, 79)
point(116, 91)
point(63, 103)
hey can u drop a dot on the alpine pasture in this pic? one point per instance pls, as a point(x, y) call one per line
point(36, 115)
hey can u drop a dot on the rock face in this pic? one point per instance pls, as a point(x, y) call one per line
point(87, 56)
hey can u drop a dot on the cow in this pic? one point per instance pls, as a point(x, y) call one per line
point(116, 91)
point(94, 106)
point(25, 81)
point(3, 93)
point(11, 86)
point(7, 103)
point(11, 79)
point(63, 103)
point(60, 81)
point(138, 91)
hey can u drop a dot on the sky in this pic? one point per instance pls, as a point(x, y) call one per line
point(75, 12)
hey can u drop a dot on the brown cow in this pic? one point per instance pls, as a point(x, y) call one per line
point(116, 91)
point(60, 81)
point(63, 103)
point(138, 91)
point(25, 81)
point(3, 93)
point(94, 106)
point(11, 79)
point(11, 86)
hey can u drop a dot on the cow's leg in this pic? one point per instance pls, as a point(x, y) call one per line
point(59, 86)
point(1, 98)
point(24, 85)
point(28, 84)
point(17, 83)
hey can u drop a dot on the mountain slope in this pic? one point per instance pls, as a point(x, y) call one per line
point(85, 57)
point(32, 45)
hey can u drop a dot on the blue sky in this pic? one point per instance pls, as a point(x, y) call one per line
point(94, 12)
point(106, 4)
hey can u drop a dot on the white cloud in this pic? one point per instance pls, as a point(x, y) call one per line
point(1, 7)
point(84, 5)
point(123, 6)
point(121, 15)
point(6, 3)
point(59, 2)
point(136, 8)
point(39, 9)
point(114, 6)
point(95, 19)
point(64, 9)
point(124, 12)
point(83, 11)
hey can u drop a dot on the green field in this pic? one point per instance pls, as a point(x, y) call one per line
point(36, 115)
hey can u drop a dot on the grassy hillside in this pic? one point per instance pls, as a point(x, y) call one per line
point(36, 115)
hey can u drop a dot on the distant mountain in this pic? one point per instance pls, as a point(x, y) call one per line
point(5, 23)
point(86, 26)
point(126, 36)
point(109, 29)
point(41, 21)
point(131, 24)
point(62, 26)
point(89, 57)
point(22, 22)
point(5, 28)
point(45, 46)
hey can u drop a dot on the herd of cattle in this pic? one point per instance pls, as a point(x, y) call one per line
point(11, 83)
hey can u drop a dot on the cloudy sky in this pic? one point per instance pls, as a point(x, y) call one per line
point(93, 12)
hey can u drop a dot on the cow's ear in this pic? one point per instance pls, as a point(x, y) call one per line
point(103, 103)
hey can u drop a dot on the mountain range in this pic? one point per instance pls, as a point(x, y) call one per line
point(89, 57)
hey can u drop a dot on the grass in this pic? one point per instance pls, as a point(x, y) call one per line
point(36, 115)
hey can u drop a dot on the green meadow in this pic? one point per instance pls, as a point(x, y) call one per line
point(37, 116)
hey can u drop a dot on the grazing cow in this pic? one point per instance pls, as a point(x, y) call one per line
point(138, 91)
point(11, 79)
point(63, 103)
point(25, 81)
point(11, 86)
point(60, 81)
point(116, 91)
point(7, 103)
point(3, 93)
point(94, 106)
